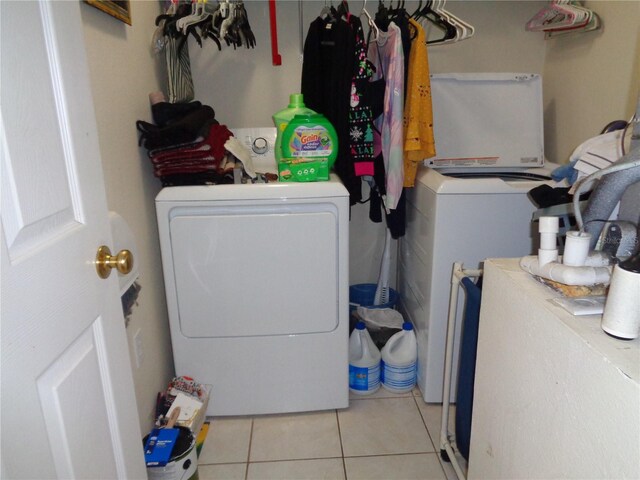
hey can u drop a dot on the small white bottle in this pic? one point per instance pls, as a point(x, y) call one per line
point(399, 372)
point(364, 362)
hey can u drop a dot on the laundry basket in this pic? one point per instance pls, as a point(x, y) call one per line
point(363, 294)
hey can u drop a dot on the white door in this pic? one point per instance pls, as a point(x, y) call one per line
point(68, 405)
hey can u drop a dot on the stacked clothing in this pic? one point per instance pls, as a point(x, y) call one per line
point(186, 145)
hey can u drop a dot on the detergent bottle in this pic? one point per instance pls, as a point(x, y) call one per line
point(364, 362)
point(398, 369)
point(282, 118)
point(309, 148)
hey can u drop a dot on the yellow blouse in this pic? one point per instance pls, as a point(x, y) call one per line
point(418, 115)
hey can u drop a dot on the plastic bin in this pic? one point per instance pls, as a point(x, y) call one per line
point(363, 294)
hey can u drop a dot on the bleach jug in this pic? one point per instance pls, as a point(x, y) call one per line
point(282, 118)
point(364, 362)
point(398, 369)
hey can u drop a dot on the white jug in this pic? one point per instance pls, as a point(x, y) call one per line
point(398, 372)
point(364, 362)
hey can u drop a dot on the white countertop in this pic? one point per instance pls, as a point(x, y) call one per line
point(624, 354)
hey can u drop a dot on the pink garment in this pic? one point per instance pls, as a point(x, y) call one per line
point(388, 57)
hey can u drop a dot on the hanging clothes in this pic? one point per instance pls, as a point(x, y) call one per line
point(418, 114)
point(327, 74)
point(386, 54)
point(360, 110)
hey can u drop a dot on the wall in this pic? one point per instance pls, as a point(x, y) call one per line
point(591, 79)
point(123, 72)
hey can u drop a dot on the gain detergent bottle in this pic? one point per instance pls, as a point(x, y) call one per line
point(282, 118)
point(309, 149)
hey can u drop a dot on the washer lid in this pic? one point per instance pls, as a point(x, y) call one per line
point(485, 120)
point(470, 182)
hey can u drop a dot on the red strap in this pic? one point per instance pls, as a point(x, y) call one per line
point(275, 56)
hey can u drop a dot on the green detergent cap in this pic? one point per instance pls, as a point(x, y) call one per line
point(296, 100)
point(282, 118)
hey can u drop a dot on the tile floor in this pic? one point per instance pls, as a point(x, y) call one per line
point(381, 436)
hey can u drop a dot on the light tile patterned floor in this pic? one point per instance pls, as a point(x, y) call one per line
point(381, 436)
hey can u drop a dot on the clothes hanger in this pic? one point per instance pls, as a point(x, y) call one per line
point(438, 7)
point(227, 23)
point(243, 26)
point(238, 31)
point(372, 25)
point(415, 14)
point(464, 30)
point(326, 11)
point(552, 16)
point(434, 18)
point(563, 16)
point(582, 16)
point(593, 24)
point(382, 16)
point(398, 10)
point(200, 11)
point(343, 10)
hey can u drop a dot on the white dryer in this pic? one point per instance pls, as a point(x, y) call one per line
point(451, 220)
point(256, 280)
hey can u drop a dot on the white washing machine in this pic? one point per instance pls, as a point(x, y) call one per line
point(471, 202)
point(449, 220)
point(256, 280)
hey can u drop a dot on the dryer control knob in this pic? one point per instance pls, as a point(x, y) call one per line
point(260, 146)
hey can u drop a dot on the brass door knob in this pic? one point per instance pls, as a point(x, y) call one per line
point(105, 262)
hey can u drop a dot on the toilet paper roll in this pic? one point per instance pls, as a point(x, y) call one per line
point(621, 317)
point(576, 248)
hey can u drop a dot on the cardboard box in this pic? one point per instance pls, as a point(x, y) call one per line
point(192, 410)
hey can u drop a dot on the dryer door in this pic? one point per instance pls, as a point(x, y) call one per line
point(247, 270)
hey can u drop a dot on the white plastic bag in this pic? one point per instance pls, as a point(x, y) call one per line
point(377, 318)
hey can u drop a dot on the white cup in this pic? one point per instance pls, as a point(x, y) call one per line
point(576, 248)
point(621, 317)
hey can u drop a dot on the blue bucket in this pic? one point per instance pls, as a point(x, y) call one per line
point(363, 294)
